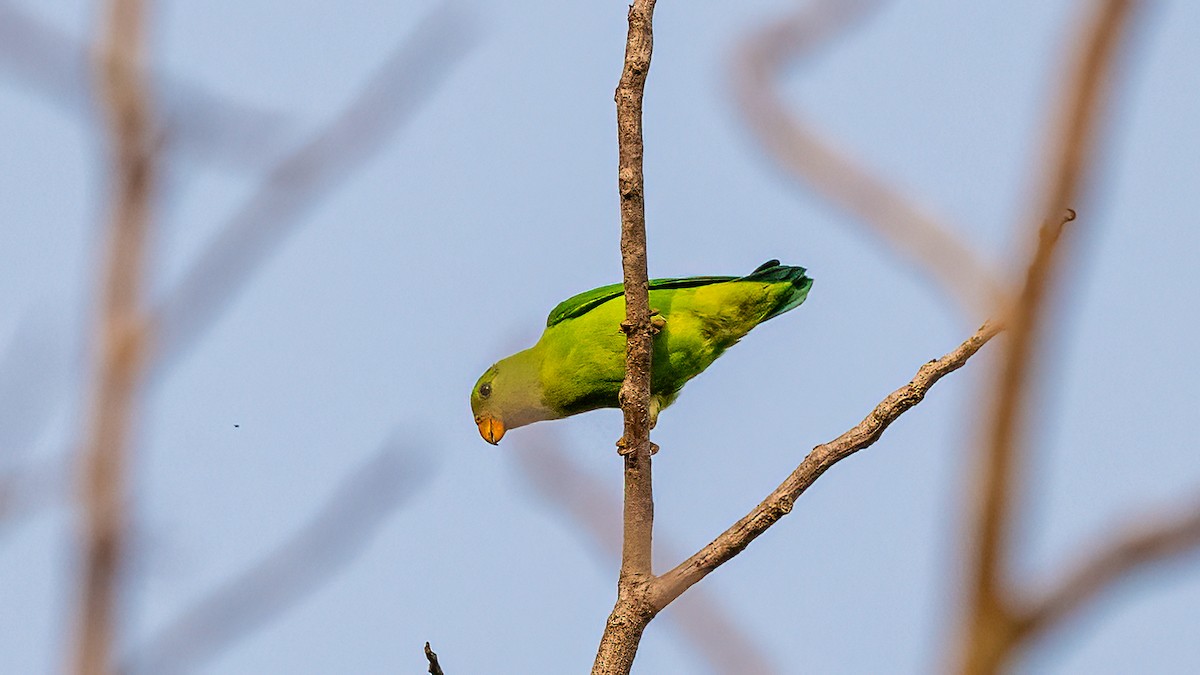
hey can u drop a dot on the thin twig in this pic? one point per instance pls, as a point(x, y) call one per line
point(629, 617)
point(1155, 540)
point(121, 334)
point(435, 668)
point(805, 155)
point(992, 637)
point(387, 101)
point(780, 502)
point(332, 538)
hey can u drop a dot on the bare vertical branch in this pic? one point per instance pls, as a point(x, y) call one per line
point(631, 613)
point(121, 334)
point(992, 636)
point(807, 157)
point(635, 390)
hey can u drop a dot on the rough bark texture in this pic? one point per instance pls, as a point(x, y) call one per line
point(632, 611)
point(992, 634)
point(121, 336)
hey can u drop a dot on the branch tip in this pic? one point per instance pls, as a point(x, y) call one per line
point(435, 668)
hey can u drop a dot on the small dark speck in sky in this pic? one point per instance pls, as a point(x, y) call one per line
point(237, 426)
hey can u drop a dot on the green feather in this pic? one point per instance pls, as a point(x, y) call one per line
point(580, 304)
point(579, 362)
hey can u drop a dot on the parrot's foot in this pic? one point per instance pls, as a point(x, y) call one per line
point(623, 448)
point(657, 323)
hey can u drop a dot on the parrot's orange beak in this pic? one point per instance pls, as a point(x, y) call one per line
point(490, 428)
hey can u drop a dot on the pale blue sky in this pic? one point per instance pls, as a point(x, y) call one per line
point(497, 201)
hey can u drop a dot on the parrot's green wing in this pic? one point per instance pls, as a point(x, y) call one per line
point(771, 270)
point(580, 304)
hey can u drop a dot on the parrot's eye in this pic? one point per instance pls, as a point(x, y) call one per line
point(485, 389)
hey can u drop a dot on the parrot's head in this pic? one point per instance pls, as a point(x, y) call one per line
point(508, 395)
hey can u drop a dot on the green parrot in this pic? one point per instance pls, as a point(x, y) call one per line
point(579, 362)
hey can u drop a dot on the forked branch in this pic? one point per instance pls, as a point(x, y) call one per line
point(641, 595)
point(780, 502)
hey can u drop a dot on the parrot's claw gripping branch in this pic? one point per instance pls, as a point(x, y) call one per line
point(657, 323)
point(623, 448)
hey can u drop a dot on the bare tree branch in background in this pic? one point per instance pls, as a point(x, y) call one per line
point(1151, 540)
point(121, 334)
point(700, 619)
point(302, 565)
point(805, 156)
point(993, 627)
point(295, 185)
point(290, 189)
point(303, 178)
point(51, 63)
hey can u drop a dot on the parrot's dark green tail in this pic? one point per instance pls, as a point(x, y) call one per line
point(772, 271)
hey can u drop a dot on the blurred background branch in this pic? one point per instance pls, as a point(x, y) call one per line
point(307, 175)
point(1153, 539)
point(126, 334)
point(935, 248)
point(702, 622)
point(995, 630)
point(311, 558)
point(121, 333)
point(197, 121)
